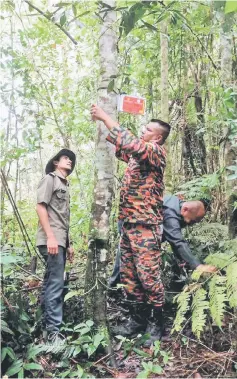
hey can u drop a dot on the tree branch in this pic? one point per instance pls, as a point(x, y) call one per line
point(49, 19)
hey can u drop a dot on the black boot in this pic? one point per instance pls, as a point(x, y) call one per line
point(155, 326)
point(136, 323)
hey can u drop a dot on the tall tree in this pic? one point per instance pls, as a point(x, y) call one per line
point(164, 92)
point(164, 84)
point(98, 251)
point(226, 45)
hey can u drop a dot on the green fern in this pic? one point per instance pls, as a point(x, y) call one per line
point(218, 298)
point(220, 289)
point(221, 260)
point(231, 284)
point(199, 305)
point(183, 306)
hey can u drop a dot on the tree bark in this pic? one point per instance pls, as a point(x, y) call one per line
point(226, 40)
point(98, 252)
point(200, 139)
point(164, 84)
point(164, 93)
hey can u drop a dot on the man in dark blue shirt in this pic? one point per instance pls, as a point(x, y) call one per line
point(177, 215)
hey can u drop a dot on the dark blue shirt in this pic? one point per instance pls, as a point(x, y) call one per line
point(172, 224)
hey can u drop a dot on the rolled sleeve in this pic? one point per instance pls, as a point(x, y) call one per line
point(45, 190)
point(127, 145)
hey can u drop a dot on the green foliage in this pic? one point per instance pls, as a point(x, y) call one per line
point(218, 298)
point(149, 368)
point(19, 367)
point(221, 260)
point(231, 280)
point(5, 328)
point(47, 88)
point(133, 344)
point(183, 306)
point(210, 297)
point(88, 340)
point(157, 361)
point(82, 340)
point(201, 186)
point(199, 316)
point(230, 6)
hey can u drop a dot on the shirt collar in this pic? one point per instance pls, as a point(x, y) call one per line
point(60, 175)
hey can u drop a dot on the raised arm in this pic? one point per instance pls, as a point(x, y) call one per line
point(126, 143)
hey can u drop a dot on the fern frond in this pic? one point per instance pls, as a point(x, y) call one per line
point(196, 275)
point(231, 284)
point(183, 306)
point(220, 260)
point(199, 305)
point(218, 298)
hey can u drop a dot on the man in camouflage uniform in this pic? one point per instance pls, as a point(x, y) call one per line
point(53, 238)
point(141, 199)
point(177, 214)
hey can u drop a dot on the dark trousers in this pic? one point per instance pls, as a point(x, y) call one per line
point(115, 277)
point(52, 290)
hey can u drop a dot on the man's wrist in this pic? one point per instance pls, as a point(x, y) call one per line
point(110, 123)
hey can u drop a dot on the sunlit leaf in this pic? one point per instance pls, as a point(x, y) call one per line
point(230, 6)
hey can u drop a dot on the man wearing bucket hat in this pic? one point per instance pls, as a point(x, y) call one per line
point(52, 240)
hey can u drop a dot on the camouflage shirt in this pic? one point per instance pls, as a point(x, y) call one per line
point(141, 195)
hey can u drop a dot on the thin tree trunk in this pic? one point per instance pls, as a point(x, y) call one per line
point(164, 91)
point(17, 174)
point(8, 131)
point(187, 153)
point(230, 149)
point(201, 121)
point(98, 252)
point(164, 84)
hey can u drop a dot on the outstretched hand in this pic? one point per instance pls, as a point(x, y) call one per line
point(206, 268)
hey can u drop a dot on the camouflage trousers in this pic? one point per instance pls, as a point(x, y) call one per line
point(140, 263)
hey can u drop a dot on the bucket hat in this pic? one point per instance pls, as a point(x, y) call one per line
point(50, 166)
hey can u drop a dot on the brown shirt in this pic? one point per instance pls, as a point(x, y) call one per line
point(53, 190)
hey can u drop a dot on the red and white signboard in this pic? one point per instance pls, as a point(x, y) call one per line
point(132, 104)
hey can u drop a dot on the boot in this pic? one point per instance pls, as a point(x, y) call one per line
point(53, 338)
point(155, 325)
point(136, 323)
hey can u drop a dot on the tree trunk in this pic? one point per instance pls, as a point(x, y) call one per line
point(201, 122)
point(98, 252)
point(164, 83)
point(230, 149)
point(188, 154)
point(164, 93)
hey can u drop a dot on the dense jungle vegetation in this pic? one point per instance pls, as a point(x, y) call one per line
point(59, 57)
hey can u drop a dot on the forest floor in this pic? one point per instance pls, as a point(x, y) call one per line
point(214, 356)
point(179, 355)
